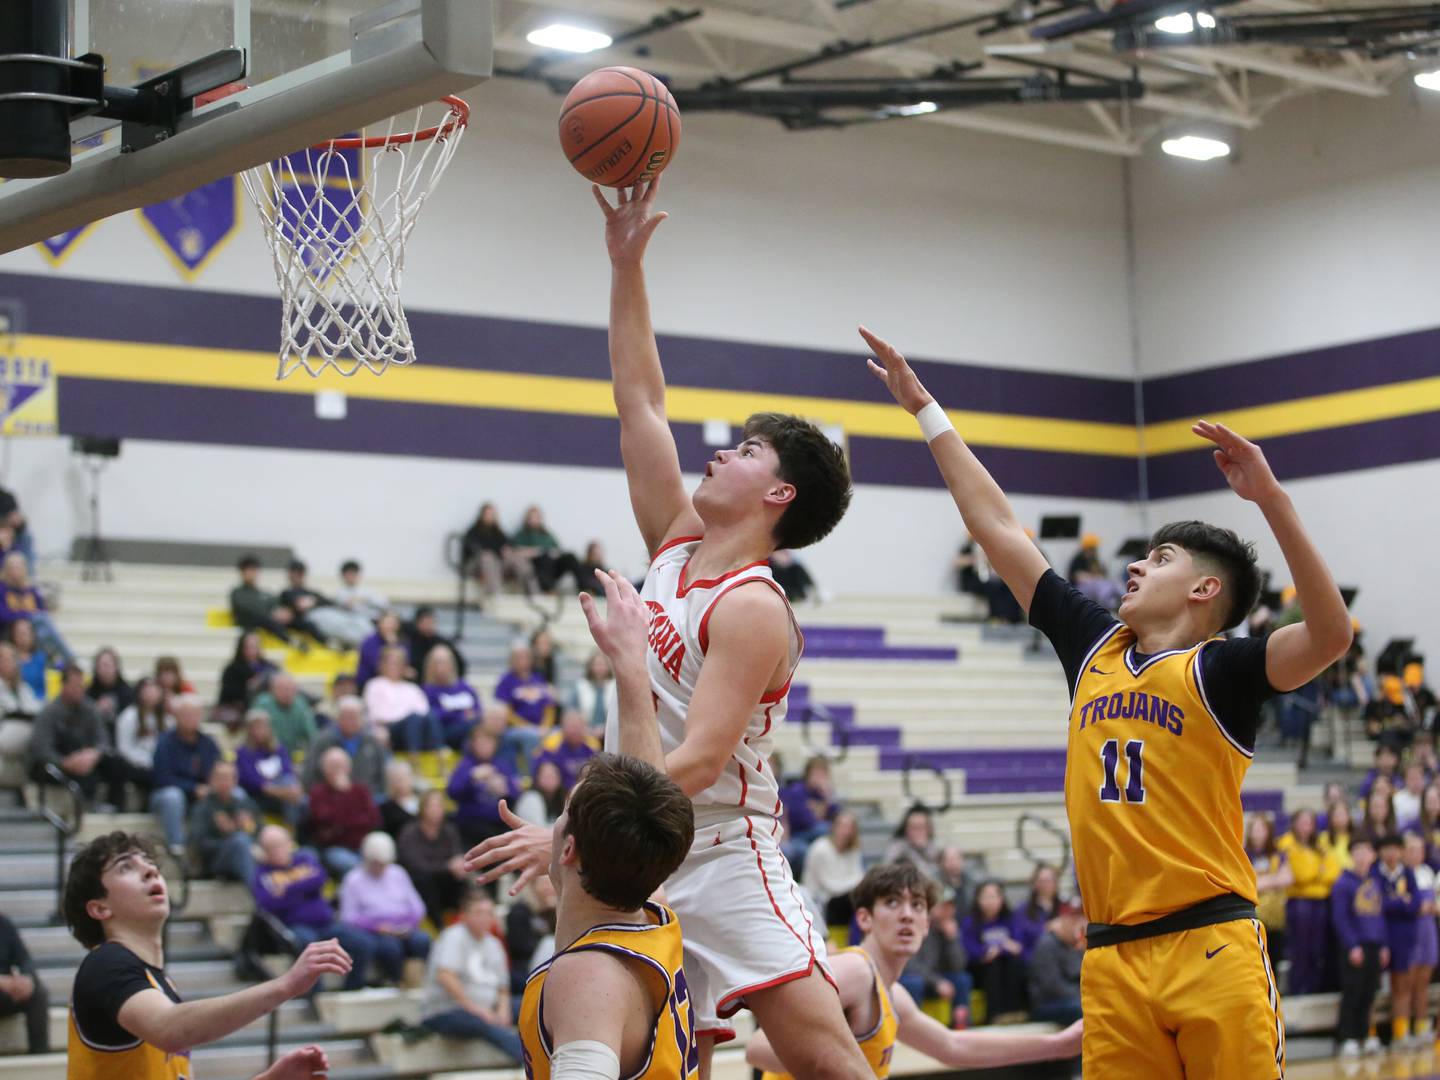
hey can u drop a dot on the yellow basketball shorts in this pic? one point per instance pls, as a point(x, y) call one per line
point(1195, 1005)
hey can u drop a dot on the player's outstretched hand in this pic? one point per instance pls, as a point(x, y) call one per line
point(302, 1064)
point(319, 958)
point(623, 631)
point(896, 374)
point(1244, 465)
point(524, 850)
point(631, 222)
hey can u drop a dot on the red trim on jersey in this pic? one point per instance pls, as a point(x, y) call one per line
point(744, 784)
point(765, 880)
point(733, 1002)
point(681, 588)
point(720, 1035)
point(668, 544)
point(703, 634)
point(774, 697)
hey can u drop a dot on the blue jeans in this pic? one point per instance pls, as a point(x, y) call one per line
point(355, 942)
point(418, 731)
point(1063, 1012)
point(459, 1024)
point(520, 743)
point(233, 859)
point(390, 952)
point(169, 805)
point(961, 980)
point(339, 861)
point(48, 638)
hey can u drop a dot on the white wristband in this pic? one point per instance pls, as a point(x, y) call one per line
point(584, 1059)
point(933, 421)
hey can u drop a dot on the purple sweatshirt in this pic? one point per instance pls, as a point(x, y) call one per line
point(477, 802)
point(800, 804)
point(387, 901)
point(978, 936)
point(454, 704)
point(1402, 911)
point(1357, 910)
point(293, 894)
point(568, 759)
point(528, 698)
point(258, 768)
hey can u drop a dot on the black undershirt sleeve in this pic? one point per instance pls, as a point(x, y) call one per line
point(1236, 685)
point(110, 976)
point(1070, 619)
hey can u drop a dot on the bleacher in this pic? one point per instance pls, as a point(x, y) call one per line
point(911, 696)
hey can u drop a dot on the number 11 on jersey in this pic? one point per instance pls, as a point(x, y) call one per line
point(1110, 759)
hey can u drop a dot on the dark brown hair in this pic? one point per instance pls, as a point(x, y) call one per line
point(632, 827)
point(815, 466)
point(894, 879)
point(1232, 559)
point(82, 883)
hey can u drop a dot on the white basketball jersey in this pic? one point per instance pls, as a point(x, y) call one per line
point(679, 616)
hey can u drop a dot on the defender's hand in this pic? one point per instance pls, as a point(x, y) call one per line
point(525, 849)
point(1244, 465)
point(631, 222)
point(896, 374)
point(623, 632)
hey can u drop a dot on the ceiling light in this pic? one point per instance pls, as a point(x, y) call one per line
point(920, 108)
point(1176, 24)
point(1205, 20)
point(568, 38)
point(1428, 80)
point(1196, 148)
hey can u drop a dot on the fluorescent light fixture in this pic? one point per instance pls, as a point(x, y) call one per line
point(920, 108)
point(1196, 148)
point(567, 38)
point(1205, 20)
point(1185, 23)
point(1428, 80)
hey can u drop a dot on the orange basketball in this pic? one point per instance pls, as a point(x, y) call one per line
point(619, 126)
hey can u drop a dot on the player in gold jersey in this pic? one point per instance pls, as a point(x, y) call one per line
point(1176, 980)
point(892, 906)
point(613, 1000)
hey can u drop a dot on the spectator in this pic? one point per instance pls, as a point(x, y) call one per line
point(223, 825)
point(291, 717)
point(477, 785)
point(1039, 909)
point(1429, 825)
point(545, 654)
point(593, 562)
point(184, 758)
point(246, 676)
point(939, 969)
point(356, 597)
point(378, 898)
point(108, 689)
point(970, 569)
point(386, 634)
point(171, 679)
point(1406, 802)
point(809, 803)
point(401, 706)
point(570, 748)
point(1402, 902)
point(953, 876)
point(1379, 817)
point(1387, 764)
point(367, 756)
point(254, 609)
point(453, 701)
point(545, 800)
point(266, 770)
point(32, 660)
point(68, 734)
point(833, 868)
point(21, 600)
point(323, 619)
point(534, 542)
point(530, 700)
point(342, 813)
point(431, 853)
point(997, 961)
point(1358, 915)
point(490, 556)
point(1054, 969)
point(792, 577)
point(590, 694)
point(1427, 946)
point(21, 989)
point(1272, 878)
point(530, 929)
point(400, 804)
point(137, 733)
point(16, 528)
point(467, 991)
point(18, 704)
point(342, 685)
point(914, 842)
point(423, 636)
point(1307, 907)
point(1090, 576)
point(290, 885)
point(1335, 840)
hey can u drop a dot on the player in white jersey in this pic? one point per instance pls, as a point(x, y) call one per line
point(722, 645)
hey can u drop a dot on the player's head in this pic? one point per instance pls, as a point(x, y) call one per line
point(114, 881)
point(626, 828)
point(1192, 567)
point(1362, 854)
point(892, 906)
point(784, 468)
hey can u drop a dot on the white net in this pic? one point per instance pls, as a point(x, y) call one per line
point(336, 217)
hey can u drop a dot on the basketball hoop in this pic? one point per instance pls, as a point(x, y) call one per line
point(337, 216)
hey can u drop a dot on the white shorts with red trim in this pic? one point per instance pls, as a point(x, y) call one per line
point(742, 918)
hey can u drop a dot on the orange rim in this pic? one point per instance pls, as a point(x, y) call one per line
point(458, 117)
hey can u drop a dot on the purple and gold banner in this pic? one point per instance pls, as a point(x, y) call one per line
point(58, 247)
point(192, 227)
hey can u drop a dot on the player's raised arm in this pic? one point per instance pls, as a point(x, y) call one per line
point(1294, 654)
point(622, 635)
point(978, 1049)
point(652, 466)
point(989, 518)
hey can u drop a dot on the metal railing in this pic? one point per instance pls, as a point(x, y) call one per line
point(906, 778)
point(1048, 826)
point(265, 929)
point(64, 827)
point(455, 559)
point(839, 737)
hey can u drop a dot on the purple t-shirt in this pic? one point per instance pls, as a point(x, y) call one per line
point(454, 704)
point(475, 801)
point(528, 697)
point(978, 936)
point(257, 768)
point(799, 802)
point(293, 894)
point(568, 759)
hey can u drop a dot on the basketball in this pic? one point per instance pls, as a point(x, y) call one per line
point(619, 126)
